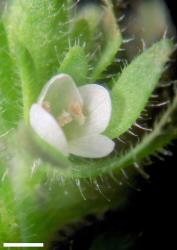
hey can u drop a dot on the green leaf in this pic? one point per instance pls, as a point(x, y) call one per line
point(80, 33)
point(133, 88)
point(85, 28)
point(112, 40)
point(96, 29)
point(42, 27)
point(9, 90)
point(8, 222)
point(28, 76)
point(75, 64)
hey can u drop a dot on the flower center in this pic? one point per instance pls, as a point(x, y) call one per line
point(77, 113)
point(74, 112)
point(64, 119)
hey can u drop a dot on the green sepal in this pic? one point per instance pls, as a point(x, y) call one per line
point(80, 34)
point(85, 29)
point(111, 40)
point(96, 28)
point(75, 64)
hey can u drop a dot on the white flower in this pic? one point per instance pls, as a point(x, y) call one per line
point(72, 119)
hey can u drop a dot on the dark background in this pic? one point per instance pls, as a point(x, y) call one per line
point(149, 220)
point(172, 5)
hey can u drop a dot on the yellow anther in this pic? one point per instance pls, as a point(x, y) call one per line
point(76, 111)
point(46, 105)
point(65, 119)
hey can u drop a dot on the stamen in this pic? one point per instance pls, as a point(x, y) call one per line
point(65, 119)
point(46, 105)
point(76, 110)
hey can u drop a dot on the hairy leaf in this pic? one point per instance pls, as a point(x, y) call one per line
point(9, 92)
point(75, 64)
point(8, 221)
point(42, 27)
point(80, 33)
point(112, 40)
point(28, 77)
point(85, 29)
point(135, 85)
point(96, 28)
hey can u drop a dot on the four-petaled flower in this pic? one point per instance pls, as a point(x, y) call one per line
point(72, 119)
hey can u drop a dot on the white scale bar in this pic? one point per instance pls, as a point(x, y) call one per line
point(23, 245)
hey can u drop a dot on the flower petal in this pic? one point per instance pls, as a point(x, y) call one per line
point(47, 128)
point(95, 146)
point(97, 103)
point(59, 93)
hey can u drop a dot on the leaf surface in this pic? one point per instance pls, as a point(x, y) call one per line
point(135, 85)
